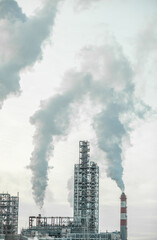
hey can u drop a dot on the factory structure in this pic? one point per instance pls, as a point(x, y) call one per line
point(85, 221)
point(9, 206)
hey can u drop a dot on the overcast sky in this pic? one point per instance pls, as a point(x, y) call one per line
point(75, 70)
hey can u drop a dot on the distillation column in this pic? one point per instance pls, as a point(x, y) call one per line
point(86, 191)
point(9, 215)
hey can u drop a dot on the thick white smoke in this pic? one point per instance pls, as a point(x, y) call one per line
point(51, 120)
point(106, 77)
point(70, 187)
point(110, 132)
point(21, 42)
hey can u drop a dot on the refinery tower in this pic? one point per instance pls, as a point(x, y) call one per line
point(83, 225)
point(86, 190)
point(85, 221)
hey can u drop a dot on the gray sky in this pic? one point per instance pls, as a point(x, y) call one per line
point(80, 70)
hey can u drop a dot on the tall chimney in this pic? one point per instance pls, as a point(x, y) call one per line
point(123, 218)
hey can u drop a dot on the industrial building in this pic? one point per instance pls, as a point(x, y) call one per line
point(86, 191)
point(8, 216)
point(85, 221)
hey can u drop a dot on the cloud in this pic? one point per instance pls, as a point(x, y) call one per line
point(81, 4)
point(147, 42)
point(21, 42)
point(106, 77)
point(145, 62)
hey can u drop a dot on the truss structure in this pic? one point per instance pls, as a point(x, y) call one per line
point(85, 221)
point(49, 221)
point(8, 214)
point(86, 191)
point(53, 226)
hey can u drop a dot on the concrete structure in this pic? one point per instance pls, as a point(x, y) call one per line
point(123, 219)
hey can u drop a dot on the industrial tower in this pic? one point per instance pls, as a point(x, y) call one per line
point(86, 191)
point(9, 215)
point(84, 225)
point(123, 219)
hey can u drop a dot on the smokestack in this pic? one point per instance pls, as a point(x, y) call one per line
point(123, 218)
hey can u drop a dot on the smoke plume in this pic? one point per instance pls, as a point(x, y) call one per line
point(52, 120)
point(106, 78)
point(70, 187)
point(110, 132)
point(21, 42)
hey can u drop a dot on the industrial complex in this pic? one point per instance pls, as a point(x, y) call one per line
point(85, 221)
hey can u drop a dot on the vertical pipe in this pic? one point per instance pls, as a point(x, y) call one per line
point(123, 218)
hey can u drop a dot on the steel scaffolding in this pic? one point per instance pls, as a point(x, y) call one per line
point(40, 221)
point(53, 226)
point(9, 214)
point(86, 191)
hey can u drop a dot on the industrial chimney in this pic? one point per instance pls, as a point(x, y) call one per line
point(123, 218)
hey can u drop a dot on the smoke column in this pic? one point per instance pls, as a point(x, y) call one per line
point(110, 132)
point(52, 120)
point(105, 77)
point(70, 187)
point(21, 41)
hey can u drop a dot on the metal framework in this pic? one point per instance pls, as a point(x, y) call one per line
point(53, 226)
point(9, 214)
point(85, 222)
point(86, 191)
point(49, 221)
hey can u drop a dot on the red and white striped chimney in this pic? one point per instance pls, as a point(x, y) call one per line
point(123, 218)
